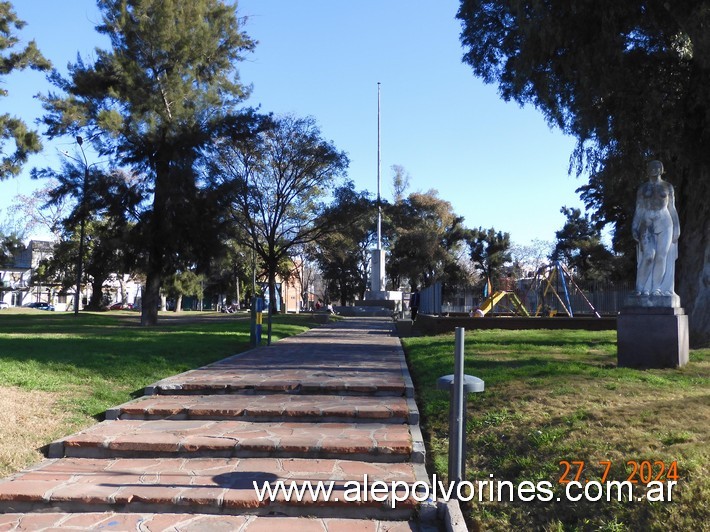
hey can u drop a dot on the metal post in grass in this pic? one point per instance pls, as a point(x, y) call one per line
point(459, 386)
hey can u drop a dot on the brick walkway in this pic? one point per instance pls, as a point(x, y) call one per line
point(333, 404)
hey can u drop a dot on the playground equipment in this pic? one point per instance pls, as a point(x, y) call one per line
point(552, 279)
point(497, 297)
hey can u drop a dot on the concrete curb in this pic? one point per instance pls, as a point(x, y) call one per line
point(418, 447)
point(448, 514)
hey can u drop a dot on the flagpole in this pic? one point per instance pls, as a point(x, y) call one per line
point(379, 170)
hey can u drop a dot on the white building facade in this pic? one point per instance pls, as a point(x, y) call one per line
point(19, 286)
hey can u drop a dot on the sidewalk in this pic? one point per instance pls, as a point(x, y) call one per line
point(334, 404)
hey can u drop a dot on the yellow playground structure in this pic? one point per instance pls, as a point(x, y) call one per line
point(497, 297)
point(548, 293)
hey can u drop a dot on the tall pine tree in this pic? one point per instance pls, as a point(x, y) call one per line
point(155, 101)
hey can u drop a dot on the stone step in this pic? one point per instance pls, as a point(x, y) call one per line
point(377, 442)
point(317, 387)
point(338, 360)
point(205, 485)
point(282, 407)
point(195, 523)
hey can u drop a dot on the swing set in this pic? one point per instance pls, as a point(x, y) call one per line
point(552, 281)
point(551, 284)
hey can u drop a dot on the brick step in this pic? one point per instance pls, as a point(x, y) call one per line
point(334, 361)
point(195, 522)
point(319, 384)
point(201, 485)
point(269, 408)
point(377, 442)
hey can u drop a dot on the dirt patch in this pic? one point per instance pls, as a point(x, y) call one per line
point(28, 420)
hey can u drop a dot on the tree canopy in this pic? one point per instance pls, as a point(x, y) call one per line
point(155, 101)
point(629, 81)
point(425, 237)
point(343, 252)
point(107, 203)
point(579, 245)
point(275, 183)
point(12, 128)
point(10, 245)
point(490, 252)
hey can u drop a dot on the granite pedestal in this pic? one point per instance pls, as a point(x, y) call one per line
point(652, 332)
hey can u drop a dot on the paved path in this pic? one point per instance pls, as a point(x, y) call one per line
point(334, 404)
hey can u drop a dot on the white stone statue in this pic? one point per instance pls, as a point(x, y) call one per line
point(656, 229)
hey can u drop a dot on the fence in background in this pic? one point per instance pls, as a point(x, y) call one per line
point(430, 301)
point(605, 297)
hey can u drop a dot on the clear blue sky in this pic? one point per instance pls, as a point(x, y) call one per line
point(499, 165)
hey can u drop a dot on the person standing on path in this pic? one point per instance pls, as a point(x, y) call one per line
point(414, 303)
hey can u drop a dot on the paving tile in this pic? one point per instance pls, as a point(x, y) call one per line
point(340, 358)
point(265, 408)
point(148, 522)
point(32, 490)
point(202, 484)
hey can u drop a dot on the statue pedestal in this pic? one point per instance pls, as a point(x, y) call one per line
point(653, 301)
point(652, 336)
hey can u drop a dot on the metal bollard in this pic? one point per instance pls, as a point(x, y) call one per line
point(459, 385)
point(257, 309)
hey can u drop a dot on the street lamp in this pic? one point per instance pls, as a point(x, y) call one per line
point(82, 228)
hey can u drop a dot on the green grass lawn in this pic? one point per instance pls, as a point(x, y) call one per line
point(554, 396)
point(98, 360)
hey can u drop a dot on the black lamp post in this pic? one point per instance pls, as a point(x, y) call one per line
point(82, 229)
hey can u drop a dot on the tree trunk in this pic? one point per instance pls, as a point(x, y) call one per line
point(343, 292)
point(272, 291)
point(693, 266)
point(151, 300)
point(122, 285)
point(159, 235)
point(96, 294)
point(178, 304)
point(272, 301)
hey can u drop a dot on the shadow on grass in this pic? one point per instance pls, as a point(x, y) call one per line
point(544, 337)
point(501, 370)
point(48, 351)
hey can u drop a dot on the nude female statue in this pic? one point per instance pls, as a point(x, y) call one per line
point(656, 229)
